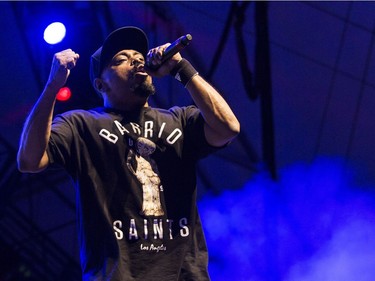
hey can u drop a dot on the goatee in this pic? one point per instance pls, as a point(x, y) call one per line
point(144, 89)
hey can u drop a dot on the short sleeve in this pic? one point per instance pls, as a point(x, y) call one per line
point(195, 144)
point(60, 145)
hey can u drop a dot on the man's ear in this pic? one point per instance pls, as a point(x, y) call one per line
point(99, 85)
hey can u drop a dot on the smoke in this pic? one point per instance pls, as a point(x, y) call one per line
point(313, 223)
point(348, 256)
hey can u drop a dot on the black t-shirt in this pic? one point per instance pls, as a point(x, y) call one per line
point(136, 191)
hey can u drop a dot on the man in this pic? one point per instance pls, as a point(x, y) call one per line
point(134, 165)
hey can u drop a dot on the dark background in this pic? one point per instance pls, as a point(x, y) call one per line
point(291, 199)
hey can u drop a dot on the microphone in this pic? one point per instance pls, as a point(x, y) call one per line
point(172, 49)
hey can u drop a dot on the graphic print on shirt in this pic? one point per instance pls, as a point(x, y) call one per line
point(146, 171)
point(152, 229)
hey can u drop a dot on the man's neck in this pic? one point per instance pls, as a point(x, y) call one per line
point(126, 106)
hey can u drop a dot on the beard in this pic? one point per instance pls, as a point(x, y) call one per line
point(144, 89)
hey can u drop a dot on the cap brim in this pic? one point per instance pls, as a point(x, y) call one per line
point(124, 38)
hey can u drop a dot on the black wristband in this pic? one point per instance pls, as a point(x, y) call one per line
point(184, 72)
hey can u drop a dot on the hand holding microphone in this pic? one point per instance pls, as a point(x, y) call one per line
point(155, 60)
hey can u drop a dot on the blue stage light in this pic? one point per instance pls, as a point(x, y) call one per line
point(54, 33)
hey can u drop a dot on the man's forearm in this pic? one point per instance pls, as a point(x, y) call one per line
point(32, 155)
point(221, 123)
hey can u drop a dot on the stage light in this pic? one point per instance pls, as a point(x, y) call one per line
point(64, 94)
point(54, 33)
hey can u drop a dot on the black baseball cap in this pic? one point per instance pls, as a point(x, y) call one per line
point(124, 38)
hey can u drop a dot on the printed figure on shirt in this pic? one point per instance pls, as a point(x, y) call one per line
point(147, 174)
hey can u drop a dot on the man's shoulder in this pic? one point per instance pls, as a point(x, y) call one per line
point(82, 112)
point(82, 116)
point(176, 110)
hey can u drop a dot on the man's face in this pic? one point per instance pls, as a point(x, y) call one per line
point(126, 79)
